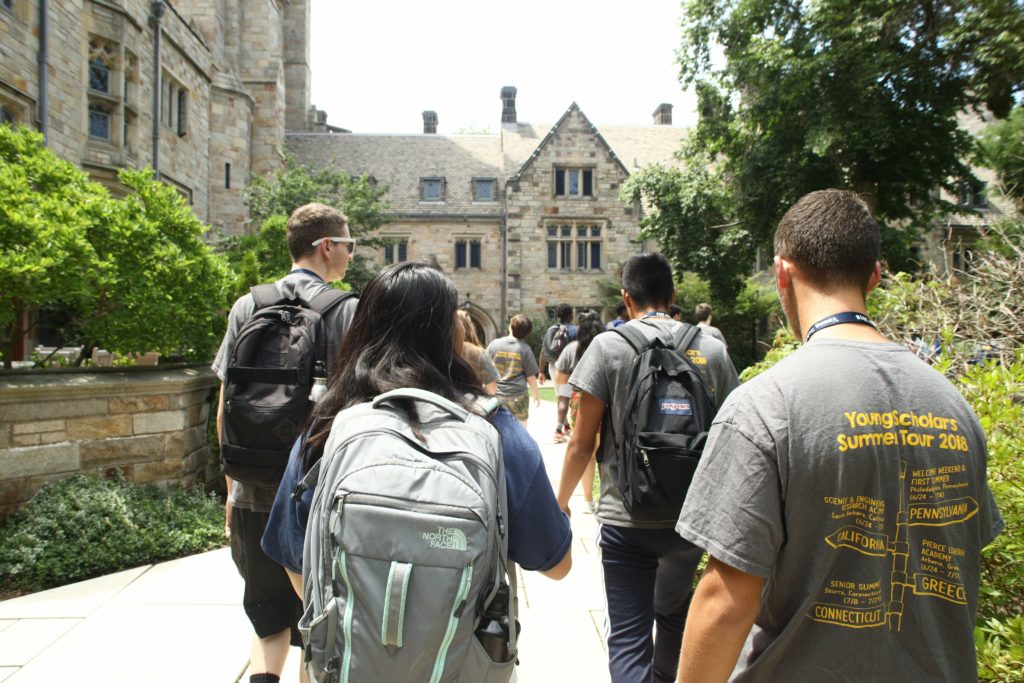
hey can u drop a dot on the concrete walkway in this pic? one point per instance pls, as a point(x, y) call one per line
point(183, 620)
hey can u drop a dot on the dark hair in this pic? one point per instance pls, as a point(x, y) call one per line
point(564, 313)
point(647, 278)
point(675, 310)
point(521, 326)
point(402, 335)
point(586, 314)
point(589, 328)
point(309, 223)
point(832, 238)
point(620, 309)
point(702, 312)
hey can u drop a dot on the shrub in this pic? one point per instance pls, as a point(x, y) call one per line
point(85, 526)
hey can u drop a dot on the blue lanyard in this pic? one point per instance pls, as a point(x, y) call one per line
point(839, 319)
point(655, 314)
point(306, 271)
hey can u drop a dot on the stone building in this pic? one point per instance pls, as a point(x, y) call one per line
point(233, 76)
point(523, 219)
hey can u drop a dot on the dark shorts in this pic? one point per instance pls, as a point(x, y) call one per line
point(270, 601)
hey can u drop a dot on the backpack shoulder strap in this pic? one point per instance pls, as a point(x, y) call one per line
point(684, 336)
point(326, 299)
point(634, 337)
point(265, 295)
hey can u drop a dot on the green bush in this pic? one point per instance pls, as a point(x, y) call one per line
point(85, 526)
point(995, 393)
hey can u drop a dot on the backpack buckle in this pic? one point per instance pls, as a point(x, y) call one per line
point(286, 316)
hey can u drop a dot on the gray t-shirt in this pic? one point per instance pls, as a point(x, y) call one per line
point(604, 373)
point(337, 322)
point(851, 476)
point(515, 362)
point(713, 331)
point(567, 360)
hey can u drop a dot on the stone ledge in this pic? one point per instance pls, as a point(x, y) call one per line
point(64, 385)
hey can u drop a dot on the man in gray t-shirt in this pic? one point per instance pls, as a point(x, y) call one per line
point(321, 250)
point(648, 568)
point(842, 495)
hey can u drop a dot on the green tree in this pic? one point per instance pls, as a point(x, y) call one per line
point(46, 208)
point(862, 94)
point(1002, 146)
point(164, 274)
point(133, 275)
point(688, 215)
point(263, 256)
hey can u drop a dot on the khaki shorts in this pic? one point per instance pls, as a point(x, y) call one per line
point(518, 405)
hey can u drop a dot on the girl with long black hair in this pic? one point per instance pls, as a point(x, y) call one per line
point(405, 334)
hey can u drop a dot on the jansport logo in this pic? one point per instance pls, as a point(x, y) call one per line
point(446, 538)
point(676, 406)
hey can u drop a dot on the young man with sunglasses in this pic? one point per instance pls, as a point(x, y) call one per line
point(321, 250)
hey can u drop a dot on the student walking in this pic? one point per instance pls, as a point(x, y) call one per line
point(842, 496)
point(647, 567)
point(517, 368)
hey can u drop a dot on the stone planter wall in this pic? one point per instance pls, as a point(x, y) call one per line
point(149, 423)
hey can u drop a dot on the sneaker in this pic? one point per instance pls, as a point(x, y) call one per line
point(559, 437)
point(567, 430)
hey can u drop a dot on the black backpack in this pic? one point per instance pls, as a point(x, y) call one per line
point(666, 419)
point(279, 350)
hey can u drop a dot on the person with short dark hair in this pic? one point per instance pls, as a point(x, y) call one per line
point(321, 250)
point(648, 568)
point(621, 316)
point(842, 495)
point(517, 367)
point(704, 317)
point(675, 312)
point(557, 337)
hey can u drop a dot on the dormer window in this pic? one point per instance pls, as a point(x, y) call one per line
point(432, 189)
point(483, 189)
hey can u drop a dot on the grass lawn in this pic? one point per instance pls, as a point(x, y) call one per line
point(547, 394)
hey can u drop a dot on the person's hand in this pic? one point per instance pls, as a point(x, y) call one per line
point(227, 519)
point(541, 378)
point(567, 511)
point(536, 401)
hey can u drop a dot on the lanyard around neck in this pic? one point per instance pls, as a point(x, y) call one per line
point(655, 314)
point(839, 319)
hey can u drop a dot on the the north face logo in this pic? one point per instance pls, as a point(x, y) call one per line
point(446, 538)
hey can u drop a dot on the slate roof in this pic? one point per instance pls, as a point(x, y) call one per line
point(400, 161)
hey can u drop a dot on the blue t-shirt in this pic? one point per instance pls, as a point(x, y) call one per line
point(539, 534)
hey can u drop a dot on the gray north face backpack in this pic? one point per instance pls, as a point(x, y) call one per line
point(405, 558)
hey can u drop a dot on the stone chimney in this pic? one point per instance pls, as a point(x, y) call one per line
point(430, 123)
point(663, 115)
point(508, 104)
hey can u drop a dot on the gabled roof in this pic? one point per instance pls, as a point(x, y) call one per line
point(400, 161)
point(554, 130)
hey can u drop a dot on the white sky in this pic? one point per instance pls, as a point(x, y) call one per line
point(378, 64)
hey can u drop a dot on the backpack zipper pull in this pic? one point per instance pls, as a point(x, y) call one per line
point(643, 454)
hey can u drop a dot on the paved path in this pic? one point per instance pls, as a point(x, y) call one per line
point(183, 621)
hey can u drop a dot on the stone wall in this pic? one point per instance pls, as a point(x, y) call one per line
point(531, 206)
point(150, 424)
